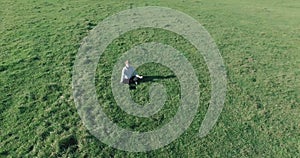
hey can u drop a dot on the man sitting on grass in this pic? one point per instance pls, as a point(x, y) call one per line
point(129, 75)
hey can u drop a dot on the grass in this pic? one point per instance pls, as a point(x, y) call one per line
point(259, 42)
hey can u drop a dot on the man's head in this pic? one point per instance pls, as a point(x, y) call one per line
point(127, 63)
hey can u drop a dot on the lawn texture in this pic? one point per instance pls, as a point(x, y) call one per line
point(258, 40)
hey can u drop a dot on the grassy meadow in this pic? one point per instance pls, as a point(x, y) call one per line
point(258, 40)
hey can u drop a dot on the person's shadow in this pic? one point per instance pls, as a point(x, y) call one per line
point(150, 79)
point(155, 78)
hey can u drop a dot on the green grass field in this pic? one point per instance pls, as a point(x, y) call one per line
point(258, 40)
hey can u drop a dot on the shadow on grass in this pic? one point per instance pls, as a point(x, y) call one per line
point(155, 78)
point(150, 79)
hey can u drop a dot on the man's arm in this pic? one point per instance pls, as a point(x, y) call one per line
point(139, 76)
point(135, 74)
point(122, 76)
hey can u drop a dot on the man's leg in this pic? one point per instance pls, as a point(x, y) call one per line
point(126, 81)
point(132, 82)
point(135, 80)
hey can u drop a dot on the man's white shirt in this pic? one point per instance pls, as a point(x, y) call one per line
point(127, 73)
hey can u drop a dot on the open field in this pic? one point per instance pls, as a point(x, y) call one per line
point(259, 42)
